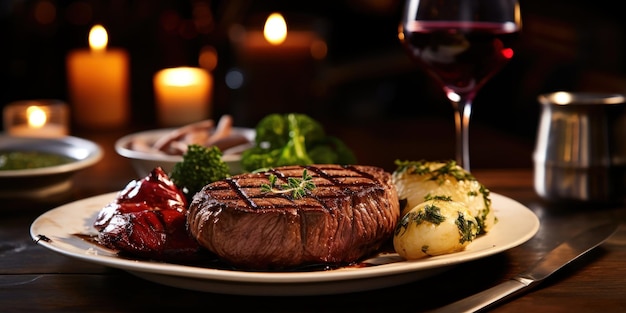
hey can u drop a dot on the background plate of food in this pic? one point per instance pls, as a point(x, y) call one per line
point(165, 147)
point(40, 167)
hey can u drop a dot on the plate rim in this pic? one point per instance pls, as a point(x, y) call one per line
point(267, 278)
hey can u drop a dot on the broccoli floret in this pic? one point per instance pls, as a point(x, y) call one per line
point(291, 151)
point(200, 166)
point(310, 129)
point(294, 139)
point(323, 155)
point(259, 158)
point(294, 152)
point(272, 131)
point(332, 151)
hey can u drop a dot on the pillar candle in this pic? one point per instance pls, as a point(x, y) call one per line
point(279, 67)
point(98, 83)
point(275, 41)
point(182, 95)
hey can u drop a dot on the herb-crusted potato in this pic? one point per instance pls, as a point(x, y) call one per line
point(434, 227)
point(415, 181)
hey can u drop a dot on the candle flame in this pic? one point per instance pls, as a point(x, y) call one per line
point(181, 76)
point(562, 97)
point(98, 38)
point(36, 116)
point(275, 30)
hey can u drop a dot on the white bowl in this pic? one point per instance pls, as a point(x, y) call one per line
point(45, 181)
point(144, 162)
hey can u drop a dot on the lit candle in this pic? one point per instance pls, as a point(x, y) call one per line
point(182, 95)
point(279, 68)
point(277, 42)
point(40, 118)
point(98, 82)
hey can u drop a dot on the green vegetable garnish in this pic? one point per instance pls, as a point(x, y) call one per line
point(430, 213)
point(200, 166)
point(294, 152)
point(466, 227)
point(423, 167)
point(293, 139)
point(297, 187)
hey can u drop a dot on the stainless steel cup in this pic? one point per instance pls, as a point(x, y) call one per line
point(580, 152)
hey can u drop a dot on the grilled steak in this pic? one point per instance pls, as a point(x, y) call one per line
point(350, 213)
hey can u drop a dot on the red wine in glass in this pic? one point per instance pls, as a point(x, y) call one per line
point(462, 55)
point(462, 44)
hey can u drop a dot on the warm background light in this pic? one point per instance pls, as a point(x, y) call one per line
point(208, 58)
point(275, 65)
point(98, 38)
point(180, 77)
point(45, 12)
point(275, 30)
point(183, 95)
point(319, 49)
point(36, 116)
point(98, 82)
point(562, 97)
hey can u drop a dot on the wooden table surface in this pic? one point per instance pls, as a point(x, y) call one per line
point(33, 278)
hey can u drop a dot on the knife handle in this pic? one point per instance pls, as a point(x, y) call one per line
point(484, 298)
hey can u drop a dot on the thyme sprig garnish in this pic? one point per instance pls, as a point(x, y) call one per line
point(298, 187)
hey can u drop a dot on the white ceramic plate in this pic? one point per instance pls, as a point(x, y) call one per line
point(516, 224)
point(46, 181)
point(145, 162)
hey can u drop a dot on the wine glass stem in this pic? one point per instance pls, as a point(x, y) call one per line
point(462, 112)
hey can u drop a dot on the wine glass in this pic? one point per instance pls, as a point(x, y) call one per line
point(462, 44)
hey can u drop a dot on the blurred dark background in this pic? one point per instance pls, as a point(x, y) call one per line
point(366, 76)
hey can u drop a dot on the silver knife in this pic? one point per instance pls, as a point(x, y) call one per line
point(560, 256)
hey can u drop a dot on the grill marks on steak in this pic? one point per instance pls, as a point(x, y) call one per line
point(350, 214)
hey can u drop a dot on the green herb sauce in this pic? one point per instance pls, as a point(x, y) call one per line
point(22, 160)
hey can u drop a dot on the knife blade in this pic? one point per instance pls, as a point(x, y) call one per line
point(556, 259)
